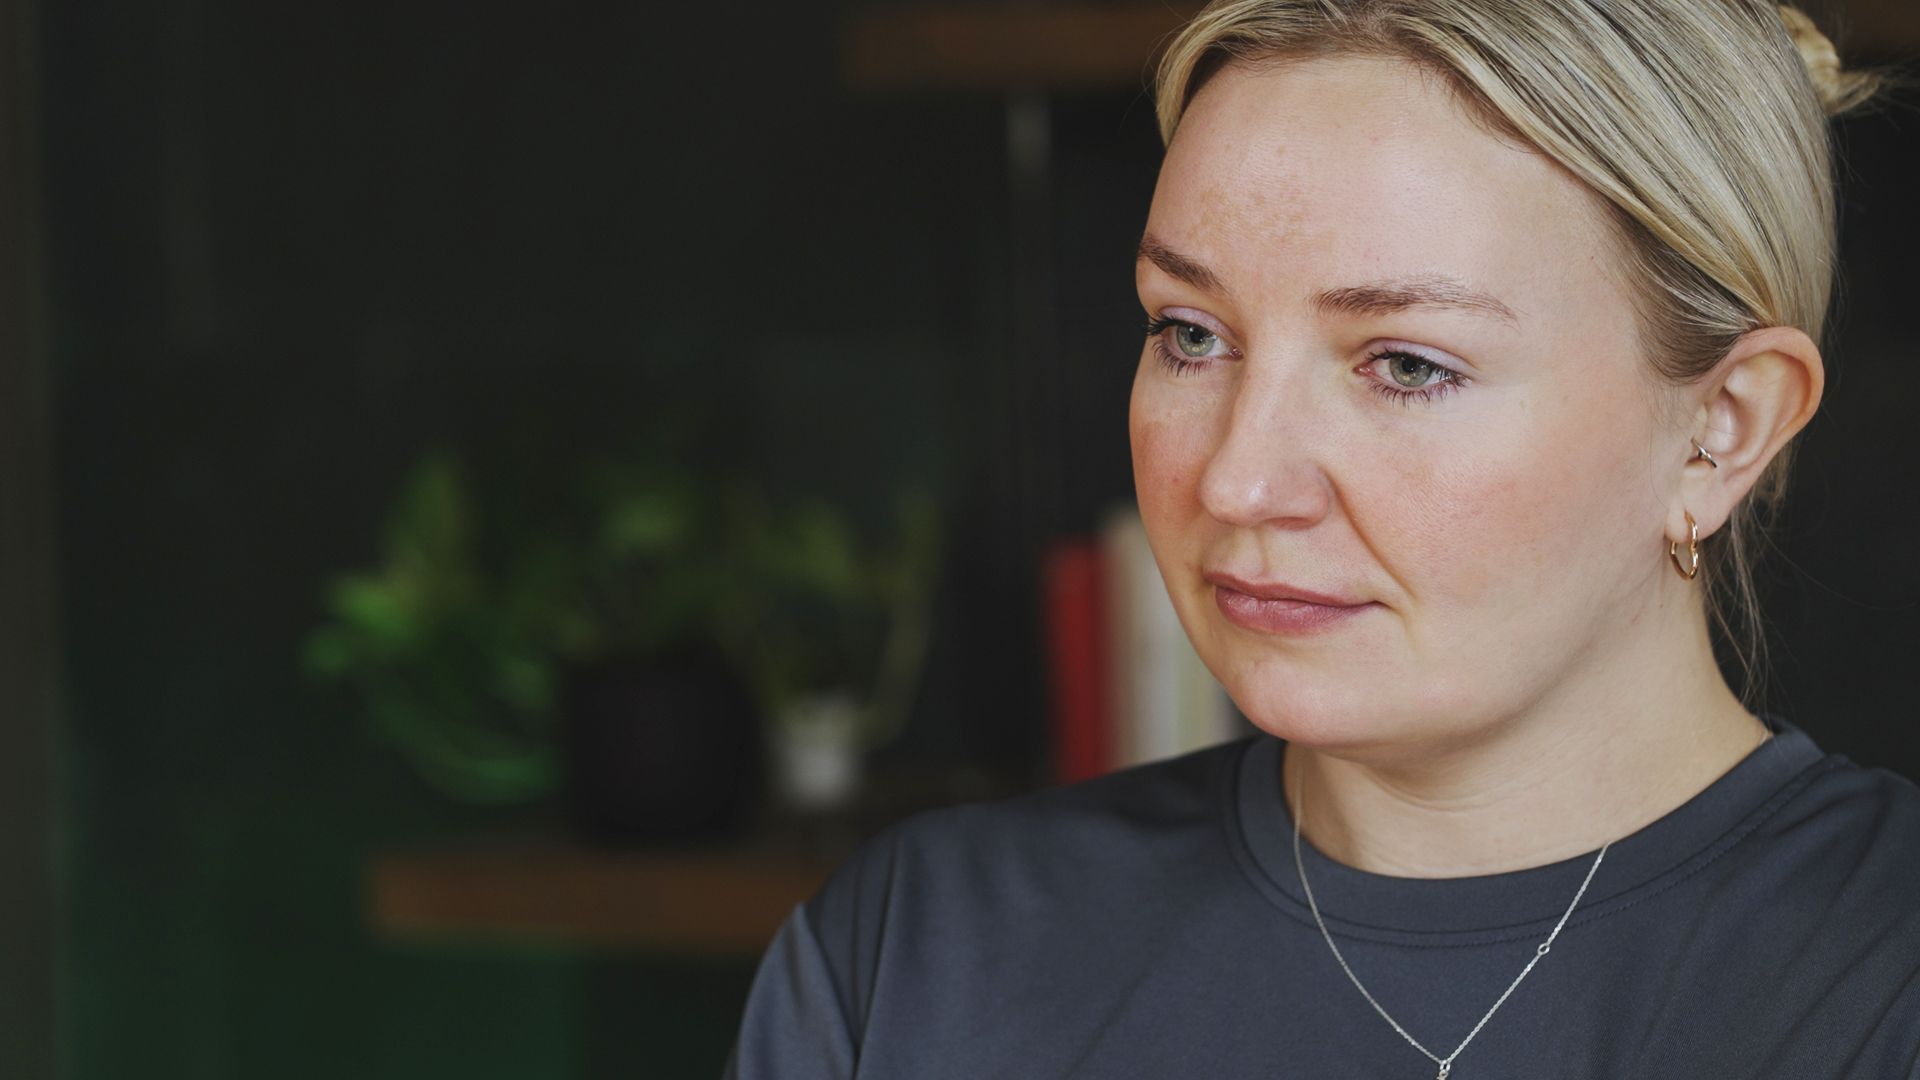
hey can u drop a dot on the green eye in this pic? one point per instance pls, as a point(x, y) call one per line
point(1413, 377)
point(1411, 371)
point(1193, 340)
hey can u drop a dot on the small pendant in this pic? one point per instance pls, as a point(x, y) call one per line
point(1445, 1068)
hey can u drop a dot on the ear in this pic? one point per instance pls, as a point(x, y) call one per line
point(1757, 399)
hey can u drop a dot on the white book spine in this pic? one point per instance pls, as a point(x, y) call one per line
point(1165, 700)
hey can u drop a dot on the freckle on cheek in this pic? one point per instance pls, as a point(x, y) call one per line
point(1477, 527)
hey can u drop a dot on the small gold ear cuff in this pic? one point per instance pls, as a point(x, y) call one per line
point(1700, 454)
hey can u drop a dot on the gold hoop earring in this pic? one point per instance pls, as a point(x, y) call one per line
point(1692, 569)
point(1700, 453)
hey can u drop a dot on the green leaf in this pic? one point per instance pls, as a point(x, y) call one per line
point(812, 550)
point(647, 523)
point(524, 682)
point(428, 542)
point(381, 613)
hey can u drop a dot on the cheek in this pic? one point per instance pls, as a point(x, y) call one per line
point(1170, 451)
point(1549, 502)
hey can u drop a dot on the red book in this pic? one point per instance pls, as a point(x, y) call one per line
point(1073, 576)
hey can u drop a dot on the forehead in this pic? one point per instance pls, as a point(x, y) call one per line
point(1314, 172)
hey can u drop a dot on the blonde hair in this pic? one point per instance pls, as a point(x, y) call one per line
point(1702, 124)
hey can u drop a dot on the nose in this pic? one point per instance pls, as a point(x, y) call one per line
point(1268, 466)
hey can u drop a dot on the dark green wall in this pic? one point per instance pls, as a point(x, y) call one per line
point(293, 247)
point(29, 655)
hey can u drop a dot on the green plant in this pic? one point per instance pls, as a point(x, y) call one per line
point(813, 608)
point(454, 664)
point(458, 657)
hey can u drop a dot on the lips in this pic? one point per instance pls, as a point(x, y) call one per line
point(1281, 591)
point(1278, 608)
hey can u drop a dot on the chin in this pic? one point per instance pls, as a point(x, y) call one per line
point(1342, 712)
point(1319, 717)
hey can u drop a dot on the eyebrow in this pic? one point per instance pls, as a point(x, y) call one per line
point(1180, 267)
point(1373, 298)
point(1386, 297)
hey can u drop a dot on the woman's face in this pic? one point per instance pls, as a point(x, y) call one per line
point(1407, 381)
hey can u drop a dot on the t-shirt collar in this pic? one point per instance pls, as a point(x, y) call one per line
point(1494, 906)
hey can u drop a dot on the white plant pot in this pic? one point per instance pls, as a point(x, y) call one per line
point(817, 752)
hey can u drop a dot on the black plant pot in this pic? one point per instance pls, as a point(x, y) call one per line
point(662, 750)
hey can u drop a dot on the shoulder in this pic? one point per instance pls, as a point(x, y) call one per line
point(961, 897)
point(1039, 850)
point(1838, 876)
point(1108, 816)
point(1838, 862)
point(1859, 822)
point(1840, 843)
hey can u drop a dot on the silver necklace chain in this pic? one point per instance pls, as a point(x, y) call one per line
point(1445, 1063)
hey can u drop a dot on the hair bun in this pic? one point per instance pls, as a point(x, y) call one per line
point(1839, 89)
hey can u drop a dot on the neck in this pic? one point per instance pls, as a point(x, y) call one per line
point(1597, 760)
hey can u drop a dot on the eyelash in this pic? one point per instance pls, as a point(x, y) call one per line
point(1450, 380)
point(1157, 330)
point(1425, 395)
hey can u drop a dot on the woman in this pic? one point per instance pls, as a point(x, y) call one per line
point(1479, 334)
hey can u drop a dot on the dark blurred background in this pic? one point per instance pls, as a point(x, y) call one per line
point(258, 261)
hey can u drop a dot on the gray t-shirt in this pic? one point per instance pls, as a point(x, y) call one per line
point(1150, 923)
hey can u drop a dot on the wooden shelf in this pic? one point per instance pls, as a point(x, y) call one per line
point(987, 47)
point(713, 902)
point(1878, 29)
point(1084, 45)
point(545, 887)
